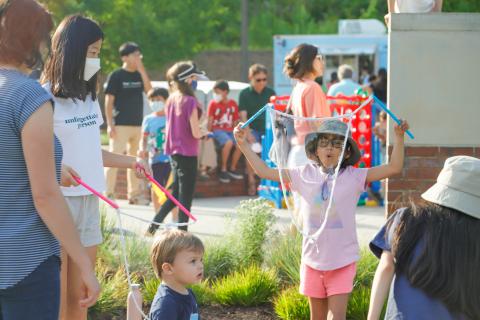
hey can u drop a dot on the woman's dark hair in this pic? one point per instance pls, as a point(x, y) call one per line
point(222, 85)
point(158, 92)
point(299, 61)
point(24, 25)
point(180, 85)
point(64, 70)
point(334, 76)
point(446, 264)
point(311, 151)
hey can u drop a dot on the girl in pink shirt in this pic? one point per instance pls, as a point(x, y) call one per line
point(307, 99)
point(329, 256)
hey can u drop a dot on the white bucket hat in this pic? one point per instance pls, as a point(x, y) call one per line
point(458, 186)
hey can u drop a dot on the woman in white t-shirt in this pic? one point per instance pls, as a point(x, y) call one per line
point(71, 77)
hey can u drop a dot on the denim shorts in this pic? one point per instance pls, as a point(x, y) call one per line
point(222, 137)
point(37, 296)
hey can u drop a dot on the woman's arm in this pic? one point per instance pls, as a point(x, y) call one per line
point(381, 285)
point(115, 160)
point(260, 168)
point(395, 165)
point(37, 134)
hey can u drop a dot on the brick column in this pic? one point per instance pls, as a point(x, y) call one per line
point(421, 168)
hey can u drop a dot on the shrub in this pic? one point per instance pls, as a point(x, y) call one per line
point(250, 287)
point(219, 259)
point(291, 305)
point(284, 254)
point(113, 297)
point(255, 219)
point(203, 293)
point(149, 289)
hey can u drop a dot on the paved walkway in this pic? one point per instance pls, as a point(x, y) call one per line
point(217, 215)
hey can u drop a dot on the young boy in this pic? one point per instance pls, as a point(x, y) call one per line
point(153, 138)
point(177, 259)
point(222, 118)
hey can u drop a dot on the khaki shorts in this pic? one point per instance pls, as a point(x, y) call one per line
point(86, 215)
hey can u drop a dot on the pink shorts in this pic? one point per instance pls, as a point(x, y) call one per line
point(323, 284)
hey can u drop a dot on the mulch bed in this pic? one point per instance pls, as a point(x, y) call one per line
point(237, 313)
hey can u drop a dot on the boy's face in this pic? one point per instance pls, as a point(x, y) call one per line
point(222, 93)
point(187, 268)
point(329, 149)
point(133, 59)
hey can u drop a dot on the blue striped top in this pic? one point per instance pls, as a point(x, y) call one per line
point(25, 241)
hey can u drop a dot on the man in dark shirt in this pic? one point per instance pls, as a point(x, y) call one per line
point(251, 100)
point(124, 112)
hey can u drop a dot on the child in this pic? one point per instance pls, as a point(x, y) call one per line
point(328, 263)
point(177, 259)
point(431, 251)
point(182, 137)
point(71, 76)
point(222, 118)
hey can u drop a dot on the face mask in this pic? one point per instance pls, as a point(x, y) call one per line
point(157, 106)
point(194, 84)
point(217, 97)
point(92, 65)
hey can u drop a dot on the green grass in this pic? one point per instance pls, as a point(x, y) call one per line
point(284, 253)
point(219, 259)
point(291, 305)
point(250, 287)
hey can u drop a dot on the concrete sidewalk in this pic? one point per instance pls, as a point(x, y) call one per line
point(216, 215)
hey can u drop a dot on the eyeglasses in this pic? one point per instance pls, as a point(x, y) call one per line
point(336, 143)
point(261, 80)
point(319, 57)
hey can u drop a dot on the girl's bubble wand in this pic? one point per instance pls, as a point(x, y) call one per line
point(256, 115)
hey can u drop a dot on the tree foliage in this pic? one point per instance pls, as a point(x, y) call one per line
point(170, 30)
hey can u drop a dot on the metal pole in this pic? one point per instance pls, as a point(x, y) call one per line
point(244, 42)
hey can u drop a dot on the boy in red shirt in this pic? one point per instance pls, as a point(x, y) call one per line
point(222, 118)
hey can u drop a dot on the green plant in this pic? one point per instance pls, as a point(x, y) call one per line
point(219, 259)
point(110, 252)
point(255, 219)
point(250, 287)
point(203, 293)
point(149, 289)
point(114, 292)
point(291, 305)
point(284, 253)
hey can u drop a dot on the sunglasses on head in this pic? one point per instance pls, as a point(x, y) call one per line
point(261, 80)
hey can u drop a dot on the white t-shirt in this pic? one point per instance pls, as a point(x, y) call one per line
point(77, 126)
point(414, 6)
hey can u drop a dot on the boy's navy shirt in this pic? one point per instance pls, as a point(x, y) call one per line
point(171, 305)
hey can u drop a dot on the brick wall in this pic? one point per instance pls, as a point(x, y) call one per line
point(421, 168)
point(203, 189)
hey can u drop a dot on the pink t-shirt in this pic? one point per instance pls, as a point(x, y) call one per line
point(337, 245)
point(179, 136)
point(308, 100)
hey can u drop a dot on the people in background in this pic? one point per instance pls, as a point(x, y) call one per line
point(222, 118)
point(251, 100)
point(346, 86)
point(124, 114)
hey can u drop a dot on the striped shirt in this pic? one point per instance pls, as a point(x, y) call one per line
point(25, 241)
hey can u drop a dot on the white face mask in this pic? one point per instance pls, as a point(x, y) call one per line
point(217, 97)
point(92, 66)
point(157, 106)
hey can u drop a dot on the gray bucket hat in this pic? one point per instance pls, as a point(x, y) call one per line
point(458, 186)
point(333, 126)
